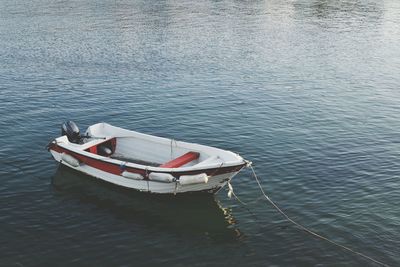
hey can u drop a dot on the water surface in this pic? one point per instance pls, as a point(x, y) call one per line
point(307, 90)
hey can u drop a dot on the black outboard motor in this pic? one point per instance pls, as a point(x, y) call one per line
point(70, 129)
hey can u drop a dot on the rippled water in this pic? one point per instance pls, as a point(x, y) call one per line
point(307, 90)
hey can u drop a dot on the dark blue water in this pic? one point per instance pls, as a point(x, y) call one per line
point(307, 90)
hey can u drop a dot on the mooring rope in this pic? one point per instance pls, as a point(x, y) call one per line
point(303, 227)
point(238, 199)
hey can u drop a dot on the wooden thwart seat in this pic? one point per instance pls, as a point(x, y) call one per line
point(182, 160)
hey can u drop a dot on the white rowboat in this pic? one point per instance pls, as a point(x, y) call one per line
point(144, 162)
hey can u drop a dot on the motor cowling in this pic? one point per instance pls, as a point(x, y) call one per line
point(71, 130)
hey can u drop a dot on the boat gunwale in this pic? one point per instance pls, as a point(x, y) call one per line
point(225, 167)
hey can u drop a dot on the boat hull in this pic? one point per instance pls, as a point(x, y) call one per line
point(217, 178)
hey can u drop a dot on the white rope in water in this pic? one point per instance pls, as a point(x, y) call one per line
point(303, 227)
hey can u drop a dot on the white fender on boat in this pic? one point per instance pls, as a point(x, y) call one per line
point(70, 160)
point(201, 178)
point(161, 177)
point(132, 175)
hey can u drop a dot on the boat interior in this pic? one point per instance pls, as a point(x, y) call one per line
point(129, 146)
point(130, 149)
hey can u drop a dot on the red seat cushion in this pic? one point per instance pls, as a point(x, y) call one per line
point(182, 160)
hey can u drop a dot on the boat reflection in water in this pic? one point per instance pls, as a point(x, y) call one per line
point(191, 213)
